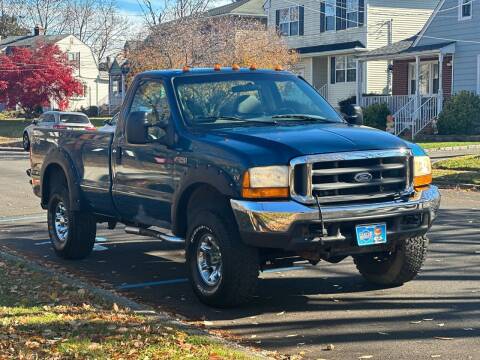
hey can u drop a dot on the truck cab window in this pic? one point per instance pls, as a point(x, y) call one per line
point(151, 98)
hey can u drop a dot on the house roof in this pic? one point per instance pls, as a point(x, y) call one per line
point(241, 8)
point(403, 47)
point(331, 47)
point(30, 40)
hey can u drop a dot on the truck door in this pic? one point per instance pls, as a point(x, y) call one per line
point(143, 174)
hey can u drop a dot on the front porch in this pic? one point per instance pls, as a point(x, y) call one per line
point(419, 81)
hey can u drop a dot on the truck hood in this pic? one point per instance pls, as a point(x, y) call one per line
point(297, 140)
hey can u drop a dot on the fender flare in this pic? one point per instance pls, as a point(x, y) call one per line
point(59, 157)
point(206, 175)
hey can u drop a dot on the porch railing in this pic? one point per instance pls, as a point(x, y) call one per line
point(323, 90)
point(394, 102)
point(424, 114)
point(403, 117)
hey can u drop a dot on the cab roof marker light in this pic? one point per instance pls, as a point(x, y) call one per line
point(278, 67)
point(253, 67)
point(217, 67)
point(186, 68)
point(235, 67)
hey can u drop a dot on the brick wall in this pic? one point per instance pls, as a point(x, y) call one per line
point(400, 76)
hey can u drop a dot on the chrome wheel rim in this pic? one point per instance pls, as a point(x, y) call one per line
point(209, 260)
point(61, 221)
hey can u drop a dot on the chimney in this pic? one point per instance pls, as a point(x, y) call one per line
point(38, 30)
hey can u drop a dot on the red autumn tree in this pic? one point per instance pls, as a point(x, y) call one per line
point(33, 77)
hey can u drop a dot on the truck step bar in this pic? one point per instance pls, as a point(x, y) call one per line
point(153, 233)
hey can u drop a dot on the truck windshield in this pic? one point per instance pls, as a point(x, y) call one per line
point(244, 98)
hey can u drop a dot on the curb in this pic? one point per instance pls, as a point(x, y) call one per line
point(457, 186)
point(136, 307)
point(453, 148)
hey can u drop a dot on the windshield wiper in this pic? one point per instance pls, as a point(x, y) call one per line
point(302, 117)
point(232, 118)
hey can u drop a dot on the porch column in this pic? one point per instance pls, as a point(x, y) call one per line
point(440, 83)
point(359, 65)
point(417, 83)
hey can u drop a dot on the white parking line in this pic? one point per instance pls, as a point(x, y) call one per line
point(7, 219)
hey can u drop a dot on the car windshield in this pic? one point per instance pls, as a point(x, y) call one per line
point(230, 100)
point(74, 119)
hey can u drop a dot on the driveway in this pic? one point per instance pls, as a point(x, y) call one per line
point(300, 310)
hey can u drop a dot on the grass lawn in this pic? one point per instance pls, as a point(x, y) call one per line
point(43, 318)
point(458, 170)
point(438, 145)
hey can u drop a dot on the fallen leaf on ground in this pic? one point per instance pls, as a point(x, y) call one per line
point(115, 307)
point(443, 338)
point(281, 313)
point(366, 357)
point(329, 347)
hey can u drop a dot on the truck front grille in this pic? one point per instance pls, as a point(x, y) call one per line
point(355, 177)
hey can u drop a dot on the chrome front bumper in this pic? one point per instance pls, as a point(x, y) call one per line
point(278, 217)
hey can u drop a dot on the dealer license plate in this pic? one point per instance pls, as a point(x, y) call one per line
point(372, 234)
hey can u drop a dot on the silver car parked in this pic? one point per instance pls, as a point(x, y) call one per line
point(57, 120)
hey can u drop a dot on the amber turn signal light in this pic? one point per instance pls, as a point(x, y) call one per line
point(422, 181)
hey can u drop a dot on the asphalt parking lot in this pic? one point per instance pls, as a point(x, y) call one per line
point(299, 310)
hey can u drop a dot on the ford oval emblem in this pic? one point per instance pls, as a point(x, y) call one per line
point(363, 177)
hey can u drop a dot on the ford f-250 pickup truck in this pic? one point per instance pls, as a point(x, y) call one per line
point(250, 169)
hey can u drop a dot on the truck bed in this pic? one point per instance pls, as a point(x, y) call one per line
point(88, 150)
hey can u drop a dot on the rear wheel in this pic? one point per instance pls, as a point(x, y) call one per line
point(394, 268)
point(26, 142)
point(222, 270)
point(72, 233)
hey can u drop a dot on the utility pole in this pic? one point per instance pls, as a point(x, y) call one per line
point(389, 66)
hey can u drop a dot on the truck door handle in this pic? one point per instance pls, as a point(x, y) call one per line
point(118, 154)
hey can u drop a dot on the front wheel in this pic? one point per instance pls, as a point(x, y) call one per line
point(72, 233)
point(222, 270)
point(394, 268)
point(26, 142)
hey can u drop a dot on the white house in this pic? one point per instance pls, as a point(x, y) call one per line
point(95, 82)
point(328, 34)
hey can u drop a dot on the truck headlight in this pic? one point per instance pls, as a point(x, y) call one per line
point(422, 171)
point(266, 182)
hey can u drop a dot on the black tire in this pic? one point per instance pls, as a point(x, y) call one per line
point(26, 142)
point(81, 227)
point(395, 268)
point(240, 263)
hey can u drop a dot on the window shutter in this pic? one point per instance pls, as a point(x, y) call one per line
point(322, 17)
point(332, 70)
point(301, 15)
point(361, 12)
point(277, 18)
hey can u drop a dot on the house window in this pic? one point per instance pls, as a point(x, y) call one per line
point(85, 90)
point(73, 59)
point(429, 78)
point(289, 21)
point(345, 69)
point(352, 13)
point(464, 9)
point(330, 15)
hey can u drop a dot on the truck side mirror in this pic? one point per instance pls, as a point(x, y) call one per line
point(136, 128)
point(357, 117)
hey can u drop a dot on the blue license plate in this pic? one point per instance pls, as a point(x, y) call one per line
point(371, 234)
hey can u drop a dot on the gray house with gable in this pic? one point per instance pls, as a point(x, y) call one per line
point(426, 69)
